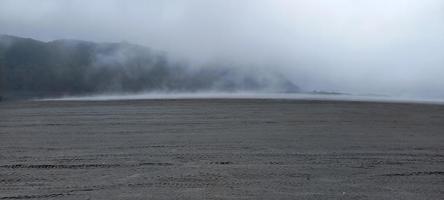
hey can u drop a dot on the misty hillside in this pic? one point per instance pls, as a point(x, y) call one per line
point(31, 68)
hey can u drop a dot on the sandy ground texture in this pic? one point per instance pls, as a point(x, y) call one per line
point(221, 149)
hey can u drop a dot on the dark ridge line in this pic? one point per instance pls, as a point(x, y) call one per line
point(415, 174)
point(221, 163)
point(80, 166)
point(104, 187)
point(35, 196)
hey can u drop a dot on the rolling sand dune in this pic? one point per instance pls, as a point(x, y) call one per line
point(221, 149)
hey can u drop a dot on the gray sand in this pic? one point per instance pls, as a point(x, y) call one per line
point(221, 149)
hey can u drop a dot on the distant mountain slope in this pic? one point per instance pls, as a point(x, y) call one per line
point(31, 68)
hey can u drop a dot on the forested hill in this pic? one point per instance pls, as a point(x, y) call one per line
point(30, 68)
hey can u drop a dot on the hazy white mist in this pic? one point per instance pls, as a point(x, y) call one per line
point(393, 47)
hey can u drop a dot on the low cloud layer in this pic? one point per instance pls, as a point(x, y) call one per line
point(36, 69)
point(359, 46)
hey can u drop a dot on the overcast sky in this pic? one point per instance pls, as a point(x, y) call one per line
point(393, 47)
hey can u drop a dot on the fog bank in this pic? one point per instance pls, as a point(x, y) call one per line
point(367, 46)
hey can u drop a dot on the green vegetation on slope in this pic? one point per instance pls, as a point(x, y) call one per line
point(31, 68)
